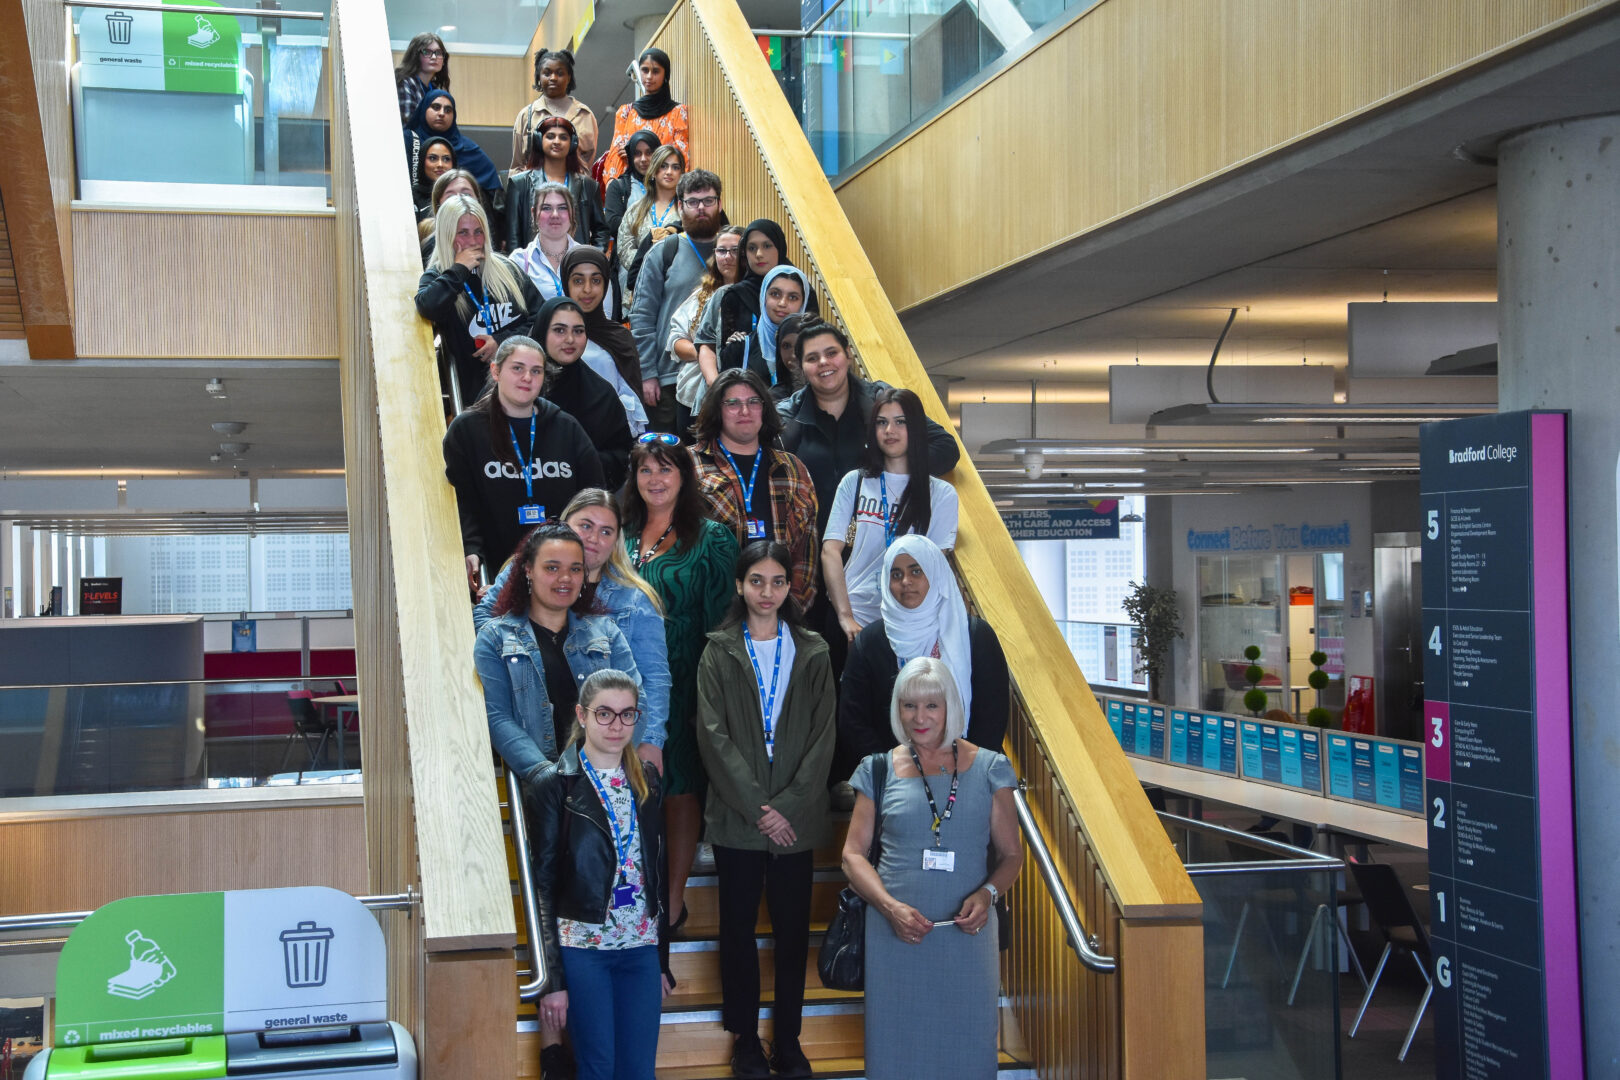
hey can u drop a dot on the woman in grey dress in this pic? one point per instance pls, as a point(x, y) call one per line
point(932, 891)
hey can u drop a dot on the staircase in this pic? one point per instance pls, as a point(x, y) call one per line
point(692, 1045)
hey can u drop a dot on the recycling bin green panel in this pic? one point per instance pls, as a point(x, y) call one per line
point(157, 1059)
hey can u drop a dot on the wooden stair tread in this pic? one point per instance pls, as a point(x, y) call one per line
point(832, 1066)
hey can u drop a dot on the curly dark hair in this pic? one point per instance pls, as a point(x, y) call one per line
point(515, 595)
point(563, 57)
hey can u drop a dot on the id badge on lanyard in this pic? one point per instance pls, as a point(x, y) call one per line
point(756, 529)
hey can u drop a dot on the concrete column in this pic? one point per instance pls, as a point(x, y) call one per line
point(1558, 248)
point(642, 30)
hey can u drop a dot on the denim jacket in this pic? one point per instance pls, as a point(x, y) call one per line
point(643, 630)
point(510, 667)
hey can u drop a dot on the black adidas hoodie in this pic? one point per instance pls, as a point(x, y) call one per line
point(489, 490)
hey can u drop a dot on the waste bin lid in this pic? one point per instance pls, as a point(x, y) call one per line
point(307, 931)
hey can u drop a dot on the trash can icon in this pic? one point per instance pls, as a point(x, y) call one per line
point(118, 25)
point(304, 951)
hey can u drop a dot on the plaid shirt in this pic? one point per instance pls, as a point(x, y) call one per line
point(411, 93)
point(793, 506)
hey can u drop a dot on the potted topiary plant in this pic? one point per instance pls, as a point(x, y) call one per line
point(1318, 680)
point(1254, 699)
point(1158, 619)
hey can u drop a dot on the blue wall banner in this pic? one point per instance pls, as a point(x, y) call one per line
point(1089, 521)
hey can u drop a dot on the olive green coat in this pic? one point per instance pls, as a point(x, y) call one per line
point(731, 738)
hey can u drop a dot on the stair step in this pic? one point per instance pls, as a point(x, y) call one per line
point(846, 1068)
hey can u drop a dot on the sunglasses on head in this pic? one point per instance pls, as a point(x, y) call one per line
point(659, 437)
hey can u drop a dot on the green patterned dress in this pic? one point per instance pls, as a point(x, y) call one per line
point(694, 581)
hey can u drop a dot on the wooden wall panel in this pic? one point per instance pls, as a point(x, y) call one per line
point(178, 284)
point(1137, 101)
point(431, 819)
point(489, 90)
point(78, 863)
point(36, 172)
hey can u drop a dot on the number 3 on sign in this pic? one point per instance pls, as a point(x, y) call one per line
point(1438, 738)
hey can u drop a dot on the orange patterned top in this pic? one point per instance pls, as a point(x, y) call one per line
point(670, 128)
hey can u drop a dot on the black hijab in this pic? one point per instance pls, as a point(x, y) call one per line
point(642, 136)
point(652, 106)
point(588, 398)
point(739, 304)
point(602, 331)
point(421, 186)
point(467, 153)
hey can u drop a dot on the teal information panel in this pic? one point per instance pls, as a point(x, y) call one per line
point(1283, 754)
point(1376, 771)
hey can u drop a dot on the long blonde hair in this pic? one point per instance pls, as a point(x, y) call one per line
point(502, 280)
point(618, 566)
point(638, 213)
point(595, 684)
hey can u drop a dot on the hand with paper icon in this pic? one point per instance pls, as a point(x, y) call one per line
point(205, 36)
point(148, 969)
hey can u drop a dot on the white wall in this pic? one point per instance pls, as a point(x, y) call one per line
point(1318, 505)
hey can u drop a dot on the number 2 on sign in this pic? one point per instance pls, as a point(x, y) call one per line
point(1439, 812)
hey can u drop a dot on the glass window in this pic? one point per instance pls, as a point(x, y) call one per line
point(1240, 603)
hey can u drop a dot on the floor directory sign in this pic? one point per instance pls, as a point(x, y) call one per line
point(206, 964)
point(1497, 747)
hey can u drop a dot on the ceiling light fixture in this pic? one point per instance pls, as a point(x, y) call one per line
point(233, 447)
point(229, 427)
point(1228, 413)
point(215, 388)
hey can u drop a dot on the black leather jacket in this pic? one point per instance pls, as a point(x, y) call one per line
point(589, 225)
point(574, 861)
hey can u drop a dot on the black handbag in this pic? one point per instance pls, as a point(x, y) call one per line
point(842, 963)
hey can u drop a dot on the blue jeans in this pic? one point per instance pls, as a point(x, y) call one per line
point(615, 997)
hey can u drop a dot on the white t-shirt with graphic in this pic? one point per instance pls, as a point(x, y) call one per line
point(862, 497)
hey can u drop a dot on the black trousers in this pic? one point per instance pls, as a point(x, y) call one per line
point(785, 882)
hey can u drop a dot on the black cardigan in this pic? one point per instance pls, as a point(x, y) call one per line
point(868, 686)
point(591, 399)
point(830, 448)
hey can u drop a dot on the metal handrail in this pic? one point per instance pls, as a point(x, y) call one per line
point(187, 9)
point(531, 906)
point(1289, 851)
point(807, 31)
point(1084, 945)
point(67, 920)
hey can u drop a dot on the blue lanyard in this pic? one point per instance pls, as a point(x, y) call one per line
point(540, 257)
point(623, 845)
point(767, 703)
point(753, 474)
point(883, 508)
point(528, 475)
point(482, 306)
point(658, 222)
point(694, 248)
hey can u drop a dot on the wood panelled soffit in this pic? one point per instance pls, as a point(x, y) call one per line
point(1139, 102)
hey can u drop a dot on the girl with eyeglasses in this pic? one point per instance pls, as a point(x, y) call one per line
point(724, 267)
point(425, 66)
point(766, 732)
point(596, 831)
point(688, 561)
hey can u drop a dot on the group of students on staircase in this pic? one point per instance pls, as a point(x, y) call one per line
point(722, 609)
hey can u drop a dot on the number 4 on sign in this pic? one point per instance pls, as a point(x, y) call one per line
point(1434, 641)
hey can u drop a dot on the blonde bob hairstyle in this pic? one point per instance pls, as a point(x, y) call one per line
point(926, 677)
point(502, 280)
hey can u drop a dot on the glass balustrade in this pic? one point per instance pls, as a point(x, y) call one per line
point(192, 108)
point(176, 736)
point(868, 69)
point(1272, 952)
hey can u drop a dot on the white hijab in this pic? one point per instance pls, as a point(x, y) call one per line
point(941, 617)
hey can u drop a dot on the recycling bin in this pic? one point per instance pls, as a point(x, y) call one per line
point(382, 1051)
